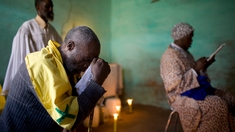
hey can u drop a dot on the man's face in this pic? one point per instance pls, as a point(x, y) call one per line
point(46, 10)
point(80, 58)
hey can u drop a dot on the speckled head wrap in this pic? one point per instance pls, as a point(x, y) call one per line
point(181, 30)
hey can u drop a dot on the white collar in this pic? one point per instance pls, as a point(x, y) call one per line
point(182, 51)
point(41, 22)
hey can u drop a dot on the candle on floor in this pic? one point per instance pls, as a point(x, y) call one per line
point(118, 108)
point(111, 104)
point(129, 101)
point(115, 116)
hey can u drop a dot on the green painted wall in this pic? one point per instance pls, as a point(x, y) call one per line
point(135, 33)
point(141, 32)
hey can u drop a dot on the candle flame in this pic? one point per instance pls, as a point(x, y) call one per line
point(129, 101)
point(115, 116)
point(118, 108)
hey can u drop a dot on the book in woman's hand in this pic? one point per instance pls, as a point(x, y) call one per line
point(214, 53)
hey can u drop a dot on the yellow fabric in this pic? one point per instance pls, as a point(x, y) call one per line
point(2, 100)
point(52, 85)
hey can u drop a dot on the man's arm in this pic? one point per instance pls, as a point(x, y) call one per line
point(93, 91)
point(87, 100)
point(18, 52)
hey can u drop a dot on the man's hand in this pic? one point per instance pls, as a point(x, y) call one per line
point(100, 70)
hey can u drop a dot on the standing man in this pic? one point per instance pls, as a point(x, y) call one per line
point(32, 36)
point(43, 97)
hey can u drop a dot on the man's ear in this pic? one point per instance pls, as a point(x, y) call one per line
point(38, 8)
point(70, 45)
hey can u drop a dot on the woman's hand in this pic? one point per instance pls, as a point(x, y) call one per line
point(202, 64)
point(212, 60)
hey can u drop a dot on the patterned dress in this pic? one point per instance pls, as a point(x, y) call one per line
point(213, 114)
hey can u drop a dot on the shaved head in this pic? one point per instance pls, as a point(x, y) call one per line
point(80, 47)
point(81, 34)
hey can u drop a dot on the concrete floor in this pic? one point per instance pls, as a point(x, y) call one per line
point(143, 119)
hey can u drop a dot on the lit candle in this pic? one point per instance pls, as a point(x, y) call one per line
point(118, 108)
point(129, 101)
point(115, 116)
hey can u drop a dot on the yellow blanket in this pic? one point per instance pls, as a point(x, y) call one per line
point(52, 85)
point(2, 100)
